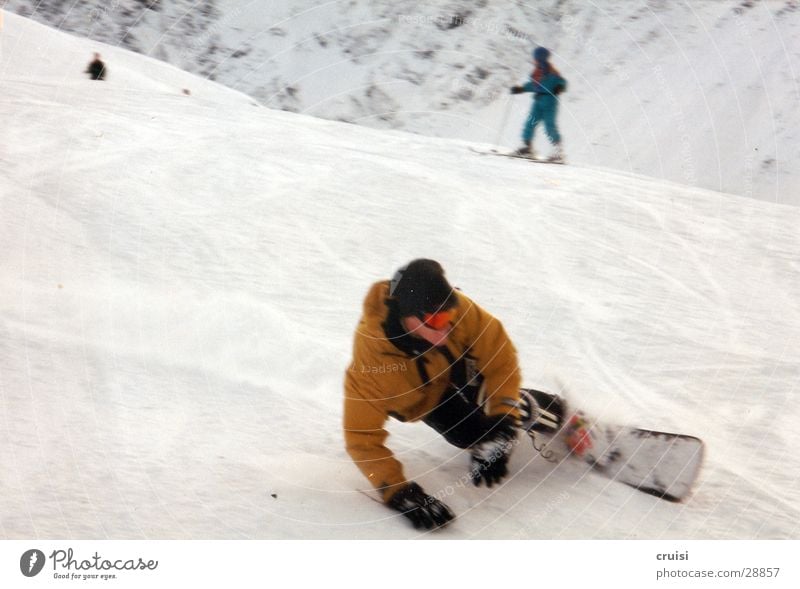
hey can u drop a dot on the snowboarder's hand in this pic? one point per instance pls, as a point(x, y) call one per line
point(423, 510)
point(517, 89)
point(490, 455)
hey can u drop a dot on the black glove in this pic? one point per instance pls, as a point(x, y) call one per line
point(517, 89)
point(423, 510)
point(490, 455)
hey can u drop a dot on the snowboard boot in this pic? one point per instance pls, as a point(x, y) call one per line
point(577, 435)
point(525, 151)
point(557, 156)
point(541, 412)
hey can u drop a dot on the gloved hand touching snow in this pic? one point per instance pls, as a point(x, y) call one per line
point(423, 510)
point(490, 455)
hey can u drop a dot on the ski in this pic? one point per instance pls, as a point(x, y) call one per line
point(515, 156)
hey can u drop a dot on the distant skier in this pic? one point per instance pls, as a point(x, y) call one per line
point(96, 69)
point(546, 84)
point(424, 351)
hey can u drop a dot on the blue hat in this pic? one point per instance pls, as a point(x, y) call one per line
point(541, 54)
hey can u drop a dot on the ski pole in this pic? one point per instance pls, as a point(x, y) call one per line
point(502, 128)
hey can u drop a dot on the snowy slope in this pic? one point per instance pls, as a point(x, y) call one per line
point(702, 92)
point(182, 276)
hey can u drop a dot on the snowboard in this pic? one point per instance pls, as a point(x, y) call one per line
point(665, 465)
point(515, 156)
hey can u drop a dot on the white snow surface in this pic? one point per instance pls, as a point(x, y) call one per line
point(182, 276)
point(701, 92)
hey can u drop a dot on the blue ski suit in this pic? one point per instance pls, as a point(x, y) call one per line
point(545, 102)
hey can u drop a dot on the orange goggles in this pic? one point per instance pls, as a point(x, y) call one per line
point(440, 319)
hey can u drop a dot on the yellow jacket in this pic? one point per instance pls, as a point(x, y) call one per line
point(384, 381)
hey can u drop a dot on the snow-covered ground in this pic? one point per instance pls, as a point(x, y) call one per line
point(700, 92)
point(182, 275)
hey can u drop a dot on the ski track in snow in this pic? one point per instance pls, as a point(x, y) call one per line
point(184, 273)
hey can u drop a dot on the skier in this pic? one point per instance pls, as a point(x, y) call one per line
point(96, 69)
point(546, 84)
point(424, 351)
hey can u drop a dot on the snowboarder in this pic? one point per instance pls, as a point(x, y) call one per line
point(96, 69)
point(546, 84)
point(424, 351)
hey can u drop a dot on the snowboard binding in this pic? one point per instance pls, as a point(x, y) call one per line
point(541, 413)
point(577, 435)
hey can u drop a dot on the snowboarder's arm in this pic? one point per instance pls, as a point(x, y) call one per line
point(365, 439)
point(496, 358)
